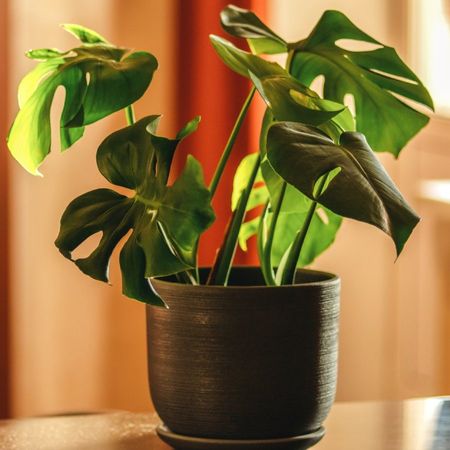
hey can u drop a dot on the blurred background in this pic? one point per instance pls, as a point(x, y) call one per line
point(68, 343)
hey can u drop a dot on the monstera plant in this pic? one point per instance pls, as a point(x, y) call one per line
point(257, 345)
point(316, 163)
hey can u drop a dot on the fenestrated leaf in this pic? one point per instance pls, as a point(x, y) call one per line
point(246, 24)
point(166, 220)
point(98, 80)
point(275, 86)
point(370, 76)
point(362, 189)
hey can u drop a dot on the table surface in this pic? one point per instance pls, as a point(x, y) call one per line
point(420, 424)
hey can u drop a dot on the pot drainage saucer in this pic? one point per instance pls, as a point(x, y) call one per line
point(181, 442)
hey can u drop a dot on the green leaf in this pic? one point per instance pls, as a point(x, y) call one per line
point(189, 128)
point(322, 231)
point(248, 229)
point(294, 201)
point(132, 265)
point(361, 190)
point(275, 86)
point(246, 24)
point(98, 80)
point(85, 35)
point(374, 78)
point(321, 234)
point(258, 195)
point(166, 221)
point(44, 53)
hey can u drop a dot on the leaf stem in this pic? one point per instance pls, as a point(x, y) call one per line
point(290, 269)
point(231, 140)
point(262, 237)
point(129, 114)
point(267, 253)
point(224, 258)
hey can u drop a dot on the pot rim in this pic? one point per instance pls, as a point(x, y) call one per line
point(330, 280)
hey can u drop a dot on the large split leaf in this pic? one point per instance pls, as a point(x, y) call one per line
point(246, 24)
point(372, 77)
point(98, 80)
point(166, 221)
point(287, 97)
point(362, 189)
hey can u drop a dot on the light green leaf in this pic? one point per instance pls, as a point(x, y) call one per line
point(44, 53)
point(361, 190)
point(85, 35)
point(243, 172)
point(374, 78)
point(166, 221)
point(321, 234)
point(98, 80)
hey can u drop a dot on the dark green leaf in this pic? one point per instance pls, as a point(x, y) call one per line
point(362, 189)
point(132, 265)
point(246, 24)
point(189, 128)
point(372, 77)
point(166, 220)
point(98, 80)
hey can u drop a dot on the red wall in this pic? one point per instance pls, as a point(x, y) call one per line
point(207, 87)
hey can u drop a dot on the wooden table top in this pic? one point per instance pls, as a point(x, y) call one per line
point(422, 424)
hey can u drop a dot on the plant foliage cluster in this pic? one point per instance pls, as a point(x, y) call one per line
point(316, 163)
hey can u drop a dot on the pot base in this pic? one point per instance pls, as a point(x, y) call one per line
point(181, 442)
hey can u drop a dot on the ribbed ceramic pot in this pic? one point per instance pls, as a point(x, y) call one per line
point(244, 361)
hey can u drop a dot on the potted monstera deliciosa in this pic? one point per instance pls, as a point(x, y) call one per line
point(238, 356)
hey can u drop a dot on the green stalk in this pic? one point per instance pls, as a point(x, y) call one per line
point(290, 268)
point(222, 265)
point(266, 255)
point(266, 261)
point(261, 238)
point(231, 140)
point(129, 114)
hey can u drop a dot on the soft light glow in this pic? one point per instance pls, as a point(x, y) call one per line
point(437, 190)
point(432, 20)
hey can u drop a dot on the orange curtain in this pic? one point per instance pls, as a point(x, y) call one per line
point(4, 311)
point(208, 88)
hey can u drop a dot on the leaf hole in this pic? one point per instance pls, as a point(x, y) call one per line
point(317, 84)
point(411, 103)
point(353, 45)
point(87, 246)
point(323, 216)
point(394, 77)
point(349, 101)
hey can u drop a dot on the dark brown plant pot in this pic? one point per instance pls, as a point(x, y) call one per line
point(244, 361)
